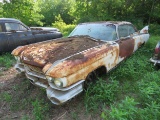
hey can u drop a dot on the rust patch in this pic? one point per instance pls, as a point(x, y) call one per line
point(139, 44)
point(18, 50)
point(68, 67)
point(126, 47)
point(82, 74)
point(48, 52)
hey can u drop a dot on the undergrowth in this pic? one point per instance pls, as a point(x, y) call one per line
point(6, 60)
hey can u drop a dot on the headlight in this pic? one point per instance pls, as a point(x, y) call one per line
point(50, 79)
point(17, 58)
point(58, 83)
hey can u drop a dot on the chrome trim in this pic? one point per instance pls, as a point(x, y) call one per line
point(58, 97)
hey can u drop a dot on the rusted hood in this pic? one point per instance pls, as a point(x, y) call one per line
point(43, 53)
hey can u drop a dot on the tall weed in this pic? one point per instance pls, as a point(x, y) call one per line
point(128, 110)
point(100, 93)
point(122, 111)
point(149, 88)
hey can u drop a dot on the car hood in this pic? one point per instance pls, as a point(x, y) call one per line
point(44, 28)
point(40, 54)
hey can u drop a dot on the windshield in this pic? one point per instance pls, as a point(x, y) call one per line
point(97, 31)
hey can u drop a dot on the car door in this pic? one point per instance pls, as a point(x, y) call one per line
point(126, 43)
point(18, 35)
point(3, 39)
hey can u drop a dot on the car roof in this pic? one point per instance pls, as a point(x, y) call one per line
point(108, 22)
point(3, 20)
point(9, 20)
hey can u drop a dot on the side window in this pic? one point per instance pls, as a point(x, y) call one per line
point(15, 26)
point(0, 28)
point(131, 29)
point(22, 28)
point(11, 26)
point(123, 31)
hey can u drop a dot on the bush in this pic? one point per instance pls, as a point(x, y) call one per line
point(154, 29)
point(62, 26)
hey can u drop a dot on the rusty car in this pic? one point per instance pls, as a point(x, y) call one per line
point(64, 65)
point(14, 33)
point(156, 56)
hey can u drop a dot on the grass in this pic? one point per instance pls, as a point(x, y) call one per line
point(130, 92)
point(6, 60)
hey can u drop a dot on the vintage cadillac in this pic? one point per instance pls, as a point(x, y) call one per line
point(64, 65)
point(156, 57)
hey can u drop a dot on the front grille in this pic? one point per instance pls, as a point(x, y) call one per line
point(33, 71)
point(33, 68)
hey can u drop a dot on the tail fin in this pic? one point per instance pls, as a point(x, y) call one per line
point(145, 29)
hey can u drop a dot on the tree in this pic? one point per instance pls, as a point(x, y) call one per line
point(52, 8)
point(1, 9)
point(26, 10)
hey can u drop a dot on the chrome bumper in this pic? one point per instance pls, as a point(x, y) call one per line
point(155, 61)
point(59, 96)
point(56, 95)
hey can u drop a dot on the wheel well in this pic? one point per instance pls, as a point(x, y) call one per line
point(99, 71)
point(93, 76)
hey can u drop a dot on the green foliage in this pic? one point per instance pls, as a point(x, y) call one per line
point(99, 93)
point(128, 110)
point(44, 12)
point(27, 11)
point(149, 88)
point(39, 107)
point(62, 26)
point(125, 111)
point(25, 117)
point(6, 60)
point(154, 29)
point(1, 10)
point(95, 10)
point(50, 9)
point(122, 111)
point(150, 112)
point(6, 96)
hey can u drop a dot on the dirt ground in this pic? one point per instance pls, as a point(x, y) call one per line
point(23, 93)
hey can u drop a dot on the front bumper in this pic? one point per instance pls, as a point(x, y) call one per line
point(56, 95)
point(156, 62)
